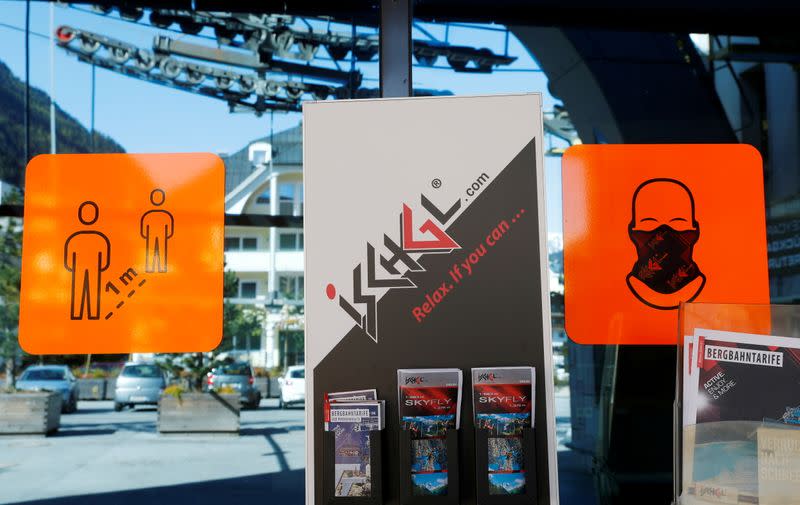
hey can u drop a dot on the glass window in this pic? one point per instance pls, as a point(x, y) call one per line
point(298, 374)
point(286, 191)
point(233, 369)
point(286, 198)
point(285, 287)
point(231, 243)
point(287, 242)
point(44, 374)
point(143, 371)
point(259, 157)
point(247, 289)
point(290, 287)
point(725, 88)
point(263, 198)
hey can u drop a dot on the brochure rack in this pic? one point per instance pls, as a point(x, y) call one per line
point(482, 464)
point(375, 465)
point(407, 496)
point(735, 461)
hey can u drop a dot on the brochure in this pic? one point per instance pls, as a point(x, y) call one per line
point(360, 395)
point(351, 423)
point(503, 398)
point(739, 378)
point(429, 403)
point(429, 400)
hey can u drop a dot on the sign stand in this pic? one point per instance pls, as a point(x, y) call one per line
point(426, 248)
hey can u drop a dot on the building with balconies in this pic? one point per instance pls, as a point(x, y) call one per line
point(266, 178)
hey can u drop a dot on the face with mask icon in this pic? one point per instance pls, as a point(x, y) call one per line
point(664, 231)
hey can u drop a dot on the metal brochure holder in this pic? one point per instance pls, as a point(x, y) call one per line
point(733, 461)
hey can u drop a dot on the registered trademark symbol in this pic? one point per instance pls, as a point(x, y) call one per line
point(436, 183)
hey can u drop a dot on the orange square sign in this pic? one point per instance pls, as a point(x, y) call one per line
point(648, 227)
point(122, 253)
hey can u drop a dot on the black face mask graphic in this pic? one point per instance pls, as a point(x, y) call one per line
point(665, 261)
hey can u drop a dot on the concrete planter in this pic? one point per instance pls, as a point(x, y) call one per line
point(274, 387)
point(30, 413)
point(111, 385)
point(199, 413)
point(268, 386)
point(262, 384)
point(91, 389)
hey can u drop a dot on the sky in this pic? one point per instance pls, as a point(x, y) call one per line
point(144, 117)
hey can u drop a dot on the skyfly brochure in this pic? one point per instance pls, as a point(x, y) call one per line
point(351, 422)
point(429, 400)
point(502, 400)
point(733, 384)
point(429, 404)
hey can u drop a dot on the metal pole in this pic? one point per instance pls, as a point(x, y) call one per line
point(27, 112)
point(350, 80)
point(91, 139)
point(395, 42)
point(52, 82)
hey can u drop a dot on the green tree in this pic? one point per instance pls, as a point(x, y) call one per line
point(238, 321)
point(245, 323)
point(10, 254)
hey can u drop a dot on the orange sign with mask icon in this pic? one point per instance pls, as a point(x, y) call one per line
point(122, 253)
point(648, 227)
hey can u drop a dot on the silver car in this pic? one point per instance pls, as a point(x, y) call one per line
point(56, 378)
point(237, 376)
point(138, 384)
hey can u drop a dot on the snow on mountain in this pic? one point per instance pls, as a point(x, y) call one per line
point(555, 248)
point(555, 242)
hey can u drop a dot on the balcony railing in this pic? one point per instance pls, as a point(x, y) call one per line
point(260, 261)
point(276, 300)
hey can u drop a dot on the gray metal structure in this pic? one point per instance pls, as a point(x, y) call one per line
point(395, 47)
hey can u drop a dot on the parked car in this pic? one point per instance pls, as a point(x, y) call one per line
point(238, 376)
point(56, 378)
point(138, 384)
point(293, 387)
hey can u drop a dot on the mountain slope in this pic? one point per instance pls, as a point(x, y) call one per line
point(71, 136)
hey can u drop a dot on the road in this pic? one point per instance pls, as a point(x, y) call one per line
point(102, 456)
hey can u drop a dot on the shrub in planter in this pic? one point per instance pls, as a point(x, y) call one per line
point(23, 412)
point(182, 411)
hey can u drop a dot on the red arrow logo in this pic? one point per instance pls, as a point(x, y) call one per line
point(443, 240)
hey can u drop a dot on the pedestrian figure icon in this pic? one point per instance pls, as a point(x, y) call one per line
point(156, 227)
point(87, 253)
